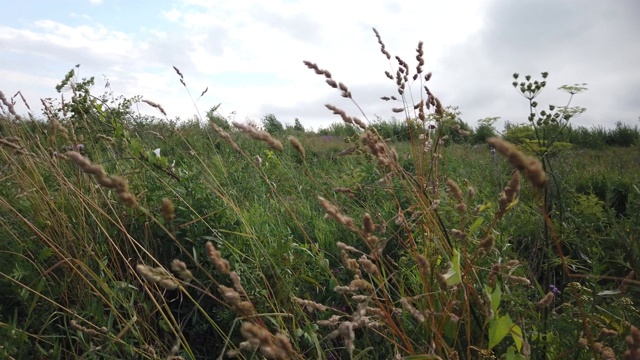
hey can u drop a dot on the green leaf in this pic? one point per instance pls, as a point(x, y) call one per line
point(609, 292)
point(498, 329)
point(332, 283)
point(516, 334)
point(45, 253)
point(118, 131)
point(135, 146)
point(310, 279)
point(511, 354)
point(476, 225)
point(494, 296)
point(513, 203)
point(485, 207)
point(453, 276)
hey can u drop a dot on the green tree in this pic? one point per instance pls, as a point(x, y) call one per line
point(271, 124)
point(297, 126)
point(485, 130)
point(451, 125)
point(216, 118)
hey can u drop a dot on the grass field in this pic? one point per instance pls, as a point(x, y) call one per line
point(233, 241)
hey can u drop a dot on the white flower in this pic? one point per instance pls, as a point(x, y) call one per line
point(157, 152)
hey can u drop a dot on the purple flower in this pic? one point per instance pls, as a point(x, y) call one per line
point(554, 290)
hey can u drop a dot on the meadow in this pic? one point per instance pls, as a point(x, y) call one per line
point(136, 237)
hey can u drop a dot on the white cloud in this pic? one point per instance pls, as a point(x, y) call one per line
point(79, 16)
point(250, 55)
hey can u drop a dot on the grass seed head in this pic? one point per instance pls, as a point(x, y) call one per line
point(180, 268)
point(272, 347)
point(155, 105)
point(633, 342)
point(368, 266)
point(455, 190)
point(310, 305)
point(259, 135)
point(297, 145)
point(117, 183)
point(168, 210)
point(531, 166)
point(158, 275)
point(545, 301)
point(221, 264)
point(367, 224)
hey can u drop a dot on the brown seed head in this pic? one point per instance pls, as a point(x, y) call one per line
point(367, 224)
point(167, 209)
point(455, 190)
point(297, 145)
point(423, 266)
point(155, 105)
point(545, 301)
point(531, 166)
point(220, 263)
point(382, 47)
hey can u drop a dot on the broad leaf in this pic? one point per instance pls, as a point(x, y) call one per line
point(452, 276)
point(516, 334)
point(498, 329)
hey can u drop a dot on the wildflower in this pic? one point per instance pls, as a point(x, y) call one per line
point(554, 290)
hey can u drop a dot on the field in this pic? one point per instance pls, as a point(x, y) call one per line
point(126, 237)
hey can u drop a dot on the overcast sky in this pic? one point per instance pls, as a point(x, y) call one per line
point(249, 53)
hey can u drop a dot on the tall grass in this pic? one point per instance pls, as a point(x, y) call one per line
point(233, 241)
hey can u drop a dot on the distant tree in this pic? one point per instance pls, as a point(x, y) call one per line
point(297, 126)
point(339, 129)
point(271, 124)
point(623, 135)
point(454, 127)
point(519, 134)
point(217, 119)
point(485, 130)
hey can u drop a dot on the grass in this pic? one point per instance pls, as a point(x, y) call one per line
point(232, 241)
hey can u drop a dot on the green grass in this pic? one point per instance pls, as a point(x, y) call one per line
point(376, 254)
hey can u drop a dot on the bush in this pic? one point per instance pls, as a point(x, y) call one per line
point(271, 124)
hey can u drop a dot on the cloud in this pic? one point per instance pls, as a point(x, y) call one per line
point(250, 55)
point(79, 16)
point(590, 41)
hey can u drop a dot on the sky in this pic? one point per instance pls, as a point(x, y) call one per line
point(249, 54)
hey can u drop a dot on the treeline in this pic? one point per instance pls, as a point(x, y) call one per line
point(596, 137)
point(456, 130)
point(459, 132)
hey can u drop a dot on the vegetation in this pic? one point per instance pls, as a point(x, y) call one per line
point(129, 237)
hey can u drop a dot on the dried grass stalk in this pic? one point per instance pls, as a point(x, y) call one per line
point(530, 165)
point(113, 182)
point(260, 135)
